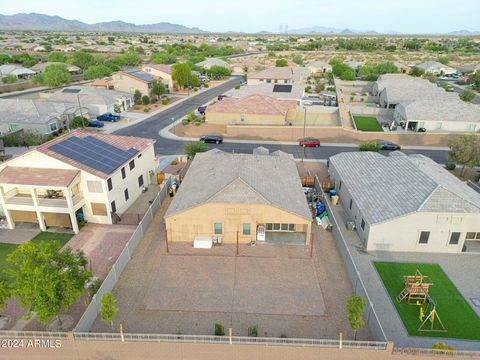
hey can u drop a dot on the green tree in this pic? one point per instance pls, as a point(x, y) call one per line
point(474, 79)
point(430, 77)
point(57, 57)
point(158, 89)
point(4, 293)
point(108, 308)
point(417, 72)
point(195, 147)
point(298, 59)
point(343, 71)
point(444, 59)
point(78, 121)
point(145, 100)
point(132, 58)
point(467, 95)
point(9, 79)
point(82, 59)
point(368, 146)
point(46, 279)
point(137, 97)
point(56, 75)
point(4, 59)
point(356, 306)
point(465, 151)
point(182, 75)
point(218, 72)
point(281, 63)
point(163, 58)
point(97, 72)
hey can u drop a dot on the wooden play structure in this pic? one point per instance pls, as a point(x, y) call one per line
point(415, 289)
point(416, 292)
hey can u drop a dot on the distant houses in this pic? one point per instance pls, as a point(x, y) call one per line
point(18, 71)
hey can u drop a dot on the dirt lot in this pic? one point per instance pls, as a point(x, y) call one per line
point(279, 288)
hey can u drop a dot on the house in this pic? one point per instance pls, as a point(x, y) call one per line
point(33, 115)
point(276, 91)
point(131, 80)
point(209, 62)
point(276, 75)
point(161, 72)
point(14, 69)
point(316, 67)
point(250, 110)
point(437, 68)
point(230, 196)
point(96, 100)
point(102, 84)
point(82, 175)
point(405, 203)
point(470, 68)
point(40, 67)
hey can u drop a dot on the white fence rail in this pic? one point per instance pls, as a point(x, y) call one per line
point(91, 313)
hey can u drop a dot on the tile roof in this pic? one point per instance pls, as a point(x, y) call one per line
point(387, 187)
point(253, 104)
point(266, 89)
point(121, 142)
point(208, 62)
point(279, 73)
point(161, 67)
point(37, 176)
point(219, 177)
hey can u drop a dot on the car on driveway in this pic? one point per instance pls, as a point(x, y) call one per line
point(212, 138)
point(95, 123)
point(387, 145)
point(309, 142)
point(108, 117)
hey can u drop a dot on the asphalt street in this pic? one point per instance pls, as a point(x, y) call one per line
point(150, 128)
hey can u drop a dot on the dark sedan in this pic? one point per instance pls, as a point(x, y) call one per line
point(95, 123)
point(387, 145)
point(212, 138)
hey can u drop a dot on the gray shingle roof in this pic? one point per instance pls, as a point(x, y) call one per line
point(441, 108)
point(30, 111)
point(386, 187)
point(89, 95)
point(218, 177)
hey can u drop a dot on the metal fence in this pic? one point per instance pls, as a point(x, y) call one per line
point(91, 313)
point(371, 317)
point(12, 334)
point(238, 340)
point(435, 352)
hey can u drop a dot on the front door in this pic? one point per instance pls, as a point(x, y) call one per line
point(260, 233)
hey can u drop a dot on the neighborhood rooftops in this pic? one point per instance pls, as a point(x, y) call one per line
point(441, 109)
point(37, 176)
point(208, 62)
point(274, 73)
point(40, 67)
point(167, 69)
point(138, 75)
point(278, 91)
point(124, 144)
point(219, 177)
point(253, 104)
point(387, 187)
point(14, 69)
point(26, 111)
point(90, 95)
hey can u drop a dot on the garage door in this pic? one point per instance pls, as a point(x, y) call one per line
point(24, 216)
point(57, 220)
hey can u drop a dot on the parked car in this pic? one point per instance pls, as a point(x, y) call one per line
point(202, 110)
point(309, 142)
point(212, 138)
point(422, 129)
point(108, 117)
point(387, 145)
point(95, 123)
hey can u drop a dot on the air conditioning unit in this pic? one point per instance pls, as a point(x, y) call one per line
point(351, 225)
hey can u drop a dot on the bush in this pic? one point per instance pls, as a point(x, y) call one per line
point(219, 329)
point(308, 89)
point(467, 95)
point(476, 178)
point(206, 86)
point(25, 138)
point(117, 108)
point(174, 162)
point(185, 121)
point(193, 148)
point(9, 79)
point(198, 122)
point(368, 146)
point(253, 331)
point(165, 100)
point(146, 109)
point(78, 121)
point(237, 87)
point(450, 166)
point(145, 100)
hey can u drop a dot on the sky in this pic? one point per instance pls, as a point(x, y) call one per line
point(406, 16)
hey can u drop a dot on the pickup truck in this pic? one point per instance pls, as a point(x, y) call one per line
point(108, 117)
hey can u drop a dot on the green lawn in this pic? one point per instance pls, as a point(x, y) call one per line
point(367, 123)
point(6, 249)
point(456, 314)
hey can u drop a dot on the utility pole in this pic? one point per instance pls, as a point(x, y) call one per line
point(304, 130)
point(80, 109)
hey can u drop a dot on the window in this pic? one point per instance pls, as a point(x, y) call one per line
point(52, 126)
point(217, 228)
point(99, 209)
point(113, 206)
point(276, 226)
point(269, 227)
point(424, 235)
point(94, 186)
point(472, 236)
point(470, 127)
point(132, 164)
point(454, 238)
point(246, 229)
point(284, 227)
point(110, 185)
point(140, 181)
point(291, 227)
point(351, 203)
point(126, 195)
point(285, 81)
point(269, 81)
point(123, 173)
point(363, 224)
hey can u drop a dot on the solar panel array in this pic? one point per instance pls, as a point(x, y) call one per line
point(140, 75)
point(282, 88)
point(71, 91)
point(94, 153)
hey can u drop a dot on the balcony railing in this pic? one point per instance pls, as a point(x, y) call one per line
point(27, 200)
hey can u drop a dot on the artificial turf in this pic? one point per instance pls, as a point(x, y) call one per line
point(459, 318)
point(367, 123)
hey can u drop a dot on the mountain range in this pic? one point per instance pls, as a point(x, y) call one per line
point(34, 21)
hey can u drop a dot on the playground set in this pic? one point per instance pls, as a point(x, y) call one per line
point(416, 292)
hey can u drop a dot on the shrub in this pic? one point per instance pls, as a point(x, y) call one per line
point(467, 95)
point(117, 108)
point(308, 89)
point(198, 122)
point(476, 178)
point(237, 87)
point(78, 121)
point(145, 100)
point(205, 85)
point(185, 121)
point(368, 146)
point(450, 166)
point(352, 98)
point(194, 147)
point(174, 162)
point(219, 329)
point(165, 100)
point(9, 79)
point(146, 109)
point(253, 331)
point(25, 138)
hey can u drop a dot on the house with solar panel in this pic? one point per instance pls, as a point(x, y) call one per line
point(131, 80)
point(82, 175)
point(405, 203)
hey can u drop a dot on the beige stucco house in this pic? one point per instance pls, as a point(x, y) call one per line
point(161, 72)
point(131, 80)
point(406, 203)
point(82, 174)
point(230, 196)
